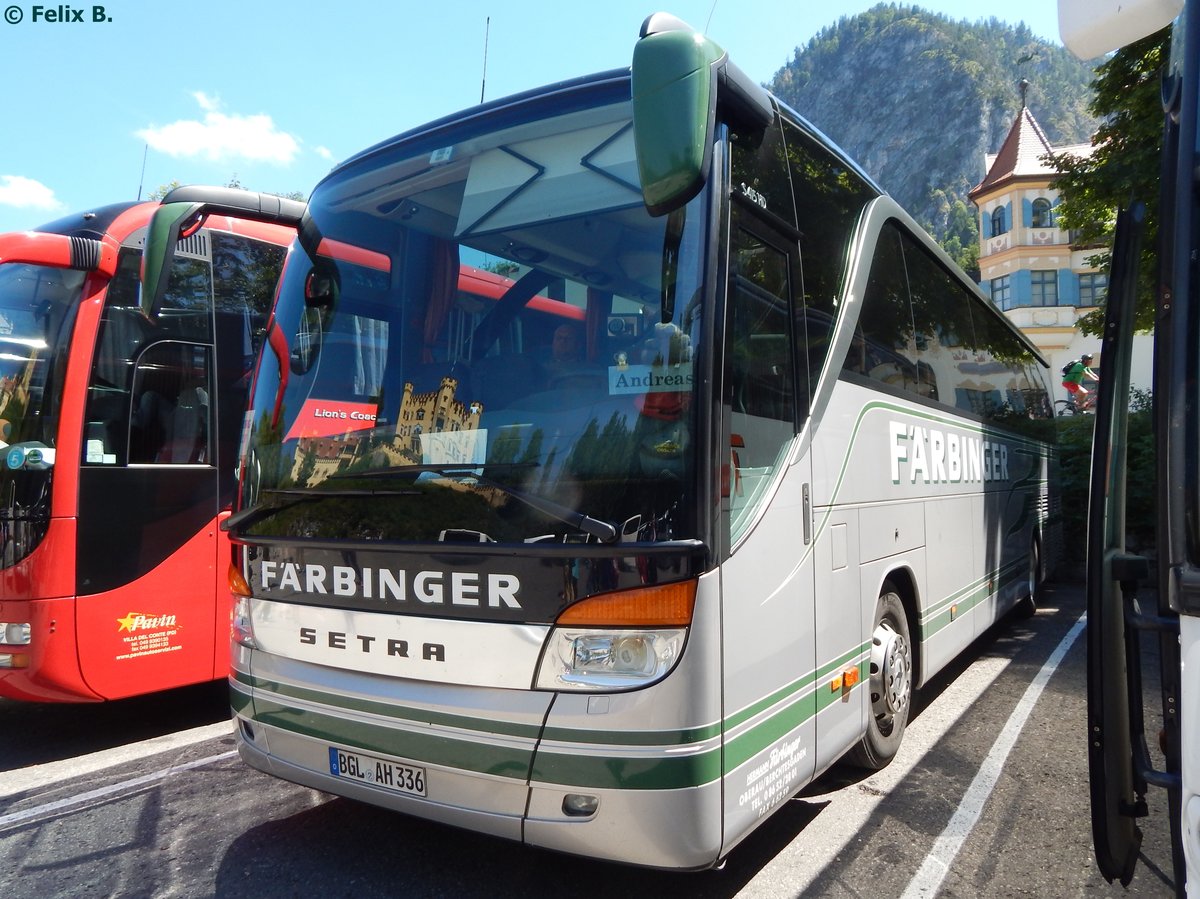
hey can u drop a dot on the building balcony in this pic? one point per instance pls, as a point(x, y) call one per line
point(1044, 237)
point(997, 244)
point(1027, 317)
point(1026, 237)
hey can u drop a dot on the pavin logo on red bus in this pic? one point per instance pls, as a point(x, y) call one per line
point(140, 621)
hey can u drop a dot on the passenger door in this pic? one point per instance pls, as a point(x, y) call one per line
point(767, 578)
point(148, 487)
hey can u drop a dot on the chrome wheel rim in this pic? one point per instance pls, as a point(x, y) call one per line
point(891, 675)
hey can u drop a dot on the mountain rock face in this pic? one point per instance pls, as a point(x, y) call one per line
point(918, 99)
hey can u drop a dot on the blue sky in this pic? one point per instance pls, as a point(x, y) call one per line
point(276, 93)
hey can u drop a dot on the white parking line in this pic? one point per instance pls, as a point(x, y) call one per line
point(850, 808)
point(933, 871)
point(23, 780)
point(124, 786)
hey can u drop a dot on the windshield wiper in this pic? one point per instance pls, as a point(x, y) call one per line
point(295, 496)
point(603, 531)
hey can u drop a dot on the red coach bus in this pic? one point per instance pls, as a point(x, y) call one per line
point(119, 430)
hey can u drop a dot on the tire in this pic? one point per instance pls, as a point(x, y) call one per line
point(1027, 607)
point(890, 684)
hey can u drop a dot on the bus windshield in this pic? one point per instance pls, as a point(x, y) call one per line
point(37, 315)
point(488, 336)
point(37, 311)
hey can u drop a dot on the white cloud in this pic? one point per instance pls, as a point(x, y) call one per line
point(221, 137)
point(207, 103)
point(25, 193)
point(324, 152)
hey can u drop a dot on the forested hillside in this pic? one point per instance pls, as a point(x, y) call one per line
point(918, 99)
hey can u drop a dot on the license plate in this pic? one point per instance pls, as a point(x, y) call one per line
point(381, 773)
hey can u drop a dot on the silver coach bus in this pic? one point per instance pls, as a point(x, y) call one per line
point(616, 561)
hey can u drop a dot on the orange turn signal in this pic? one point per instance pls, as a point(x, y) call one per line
point(237, 583)
point(667, 605)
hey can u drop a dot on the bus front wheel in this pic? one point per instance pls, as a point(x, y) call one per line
point(891, 683)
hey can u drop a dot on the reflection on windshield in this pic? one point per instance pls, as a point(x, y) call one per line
point(37, 314)
point(486, 320)
point(37, 310)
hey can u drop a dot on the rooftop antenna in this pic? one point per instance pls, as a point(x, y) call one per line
point(487, 28)
point(142, 177)
point(712, 9)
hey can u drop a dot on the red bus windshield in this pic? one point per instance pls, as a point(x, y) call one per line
point(37, 316)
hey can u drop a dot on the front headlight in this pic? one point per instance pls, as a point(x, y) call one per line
point(15, 633)
point(241, 624)
point(607, 660)
point(618, 641)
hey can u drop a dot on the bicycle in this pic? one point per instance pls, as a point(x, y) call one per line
point(1070, 407)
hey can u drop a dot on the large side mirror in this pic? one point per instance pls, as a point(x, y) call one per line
point(680, 80)
point(674, 114)
point(182, 213)
point(168, 225)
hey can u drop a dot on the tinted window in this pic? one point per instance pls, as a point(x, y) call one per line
point(883, 348)
point(1009, 388)
point(923, 332)
point(945, 337)
point(759, 172)
point(126, 374)
point(761, 373)
point(170, 423)
point(830, 197)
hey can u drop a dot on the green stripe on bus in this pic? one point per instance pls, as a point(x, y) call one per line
point(423, 716)
point(665, 772)
point(684, 737)
point(964, 602)
point(241, 701)
point(484, 726)
point(434, 749)
point(551, 766)
point(805, 682)
point(614, 771)
point(742, 748)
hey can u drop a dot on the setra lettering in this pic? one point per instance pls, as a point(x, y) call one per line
point(369, 644)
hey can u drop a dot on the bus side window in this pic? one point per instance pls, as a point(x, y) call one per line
point(170, 420)
point(944, 332)
point(121, 360)
point(884, 346)
point(761, 372)
point(1018, 394)
point(123, 330)
point(245, 272)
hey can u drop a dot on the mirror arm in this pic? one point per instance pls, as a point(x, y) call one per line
point(240, 203)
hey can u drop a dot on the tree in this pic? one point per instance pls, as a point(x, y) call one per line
point(960, 231)
point(162, 190)
point(1123, 166)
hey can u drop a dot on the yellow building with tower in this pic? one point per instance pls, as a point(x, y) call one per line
point(1027, 264)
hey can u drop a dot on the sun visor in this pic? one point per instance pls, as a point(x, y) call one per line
point(556, 177)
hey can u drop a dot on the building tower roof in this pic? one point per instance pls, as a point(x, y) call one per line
point(1021, 154)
